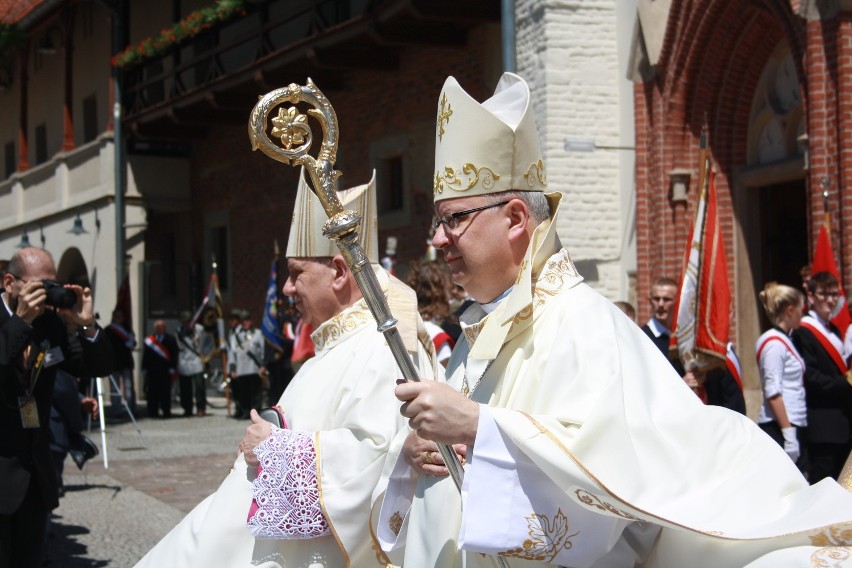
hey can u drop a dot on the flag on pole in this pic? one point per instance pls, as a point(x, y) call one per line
point(702, 309)
point(824, 262)
point(211, 312)
point(122, 302)
point(271, 323)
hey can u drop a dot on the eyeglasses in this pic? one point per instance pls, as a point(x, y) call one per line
point(827, 295)
point(16, 277)
point(451, 220)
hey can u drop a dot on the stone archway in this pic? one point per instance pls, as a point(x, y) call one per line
point(72, 269)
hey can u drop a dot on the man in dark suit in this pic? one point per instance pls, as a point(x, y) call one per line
point(34, 344)
point(159, 367)
point(658, 328)
point(715, 386)
point(827, 386)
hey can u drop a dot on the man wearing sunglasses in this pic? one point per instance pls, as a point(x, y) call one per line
point(36, 340)
point(583, 446)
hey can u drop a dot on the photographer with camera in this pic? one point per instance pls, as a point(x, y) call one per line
point(34, 344)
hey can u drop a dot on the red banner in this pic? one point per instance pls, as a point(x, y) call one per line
point(702, 320)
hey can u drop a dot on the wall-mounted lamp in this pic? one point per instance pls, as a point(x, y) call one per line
point(802, 142)
point(25, 240)
point(78, 228)
point(679, 181)
point(579, 144)
point(575, 144)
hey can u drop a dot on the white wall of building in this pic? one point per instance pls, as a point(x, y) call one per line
point(574, 55)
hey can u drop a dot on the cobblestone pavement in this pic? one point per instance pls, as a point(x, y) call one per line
point(112, 517)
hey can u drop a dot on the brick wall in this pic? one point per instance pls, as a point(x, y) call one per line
point(259, 193)
point(711, 62)
point(713, 57)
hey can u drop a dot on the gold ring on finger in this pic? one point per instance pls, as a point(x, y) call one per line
point(429, 456)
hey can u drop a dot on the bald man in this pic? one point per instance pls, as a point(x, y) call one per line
point(36, 340)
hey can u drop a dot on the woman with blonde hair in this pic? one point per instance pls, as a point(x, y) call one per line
point(784, 414)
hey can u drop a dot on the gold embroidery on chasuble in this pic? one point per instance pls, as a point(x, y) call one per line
point(556, 274)
point(341, 325)
point(591, 500)
point(381, 557)
point(833, 537)
point(547, 285)
point(830, 557)
point(547, 538)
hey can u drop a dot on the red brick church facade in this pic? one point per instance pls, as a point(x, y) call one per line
point(773, 80)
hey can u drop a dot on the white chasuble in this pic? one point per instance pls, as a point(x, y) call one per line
point(593, 452)
point(343, 397)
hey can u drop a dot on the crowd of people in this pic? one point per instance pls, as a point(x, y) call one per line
point(546, 427)
point(803, 361)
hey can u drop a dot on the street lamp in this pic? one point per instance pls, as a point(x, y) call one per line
point(25, 240)
point(78, 228)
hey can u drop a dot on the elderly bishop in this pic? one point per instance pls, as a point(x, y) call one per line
point(310, 505)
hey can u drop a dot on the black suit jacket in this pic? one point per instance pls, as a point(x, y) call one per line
point(25, 453)
point(829, 395)
point(662, 343)
point(721, 387)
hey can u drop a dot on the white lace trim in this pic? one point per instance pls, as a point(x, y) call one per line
point(286, 489)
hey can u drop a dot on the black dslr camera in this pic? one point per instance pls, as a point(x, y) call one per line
point(58, 296)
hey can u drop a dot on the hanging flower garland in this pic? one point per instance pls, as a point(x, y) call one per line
point(189, 27)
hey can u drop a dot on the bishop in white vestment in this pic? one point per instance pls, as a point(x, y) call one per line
point(310, 505)
point(584, 446)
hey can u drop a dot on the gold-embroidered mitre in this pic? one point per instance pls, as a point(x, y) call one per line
point(306, 238)
point(489, 147)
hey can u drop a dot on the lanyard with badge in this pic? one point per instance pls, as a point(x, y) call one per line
point(27, 403)
point(47, 357)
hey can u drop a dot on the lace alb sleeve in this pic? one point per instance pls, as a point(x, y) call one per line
point(286, 491)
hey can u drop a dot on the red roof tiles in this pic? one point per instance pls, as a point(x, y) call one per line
point(11, 11)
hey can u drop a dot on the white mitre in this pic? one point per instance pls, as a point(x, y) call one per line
point(306, 238)
point(486, 148)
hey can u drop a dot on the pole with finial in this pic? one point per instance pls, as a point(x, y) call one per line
point(823, 183)
point(220, 331)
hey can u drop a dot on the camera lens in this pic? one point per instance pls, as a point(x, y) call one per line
point(59, 296)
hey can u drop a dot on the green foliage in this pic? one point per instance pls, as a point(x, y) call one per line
point(189, 27)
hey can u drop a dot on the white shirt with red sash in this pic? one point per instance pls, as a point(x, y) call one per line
point(781, 372)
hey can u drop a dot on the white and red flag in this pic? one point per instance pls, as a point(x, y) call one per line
point(702, 308)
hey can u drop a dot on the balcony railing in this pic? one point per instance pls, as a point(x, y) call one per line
point(269, 29)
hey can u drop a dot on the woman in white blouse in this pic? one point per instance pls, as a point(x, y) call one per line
point(784, 414)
